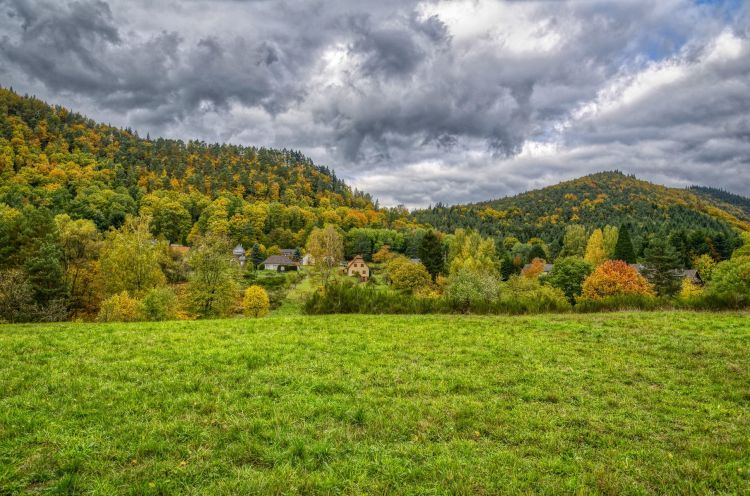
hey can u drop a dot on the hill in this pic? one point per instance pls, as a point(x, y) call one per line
point(627, 403)
point(54, 159)
point(741, 204)
point(606, 198)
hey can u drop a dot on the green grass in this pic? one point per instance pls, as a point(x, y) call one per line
point(627, 403)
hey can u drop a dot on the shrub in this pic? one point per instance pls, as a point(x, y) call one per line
point(622, 302)
point(525, 295)
point(466, 288)
point(120, 307)
point(615, 278)
point(689, 289)
point(535, 268)
point(568, 275)
point(159, 304)
point(255, 303)
point(705, 266)
point(346, 297)
point(406, 275)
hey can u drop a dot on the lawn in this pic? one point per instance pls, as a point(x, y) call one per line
point(627, 403)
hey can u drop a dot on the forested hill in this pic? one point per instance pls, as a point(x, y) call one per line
point(606, 198)
point(741, 204)
point(57, 160)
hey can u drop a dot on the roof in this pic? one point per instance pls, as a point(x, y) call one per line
point(358, 258)
point(279, 260)
point(238, 250)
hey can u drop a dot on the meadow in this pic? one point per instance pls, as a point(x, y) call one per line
point(616, 403)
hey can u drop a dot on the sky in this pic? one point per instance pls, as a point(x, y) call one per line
point(415, 102)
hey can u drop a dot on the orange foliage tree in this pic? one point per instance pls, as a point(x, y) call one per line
point(534, 269)
point(616, 278)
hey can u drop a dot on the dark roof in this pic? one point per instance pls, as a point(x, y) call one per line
point(279, 260)
point(547, 267)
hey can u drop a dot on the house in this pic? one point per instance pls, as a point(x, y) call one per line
point(290, 253)
point(308, 260)
point(357, 267)
point(279, 263)
point(239, 254)
point(691, 274)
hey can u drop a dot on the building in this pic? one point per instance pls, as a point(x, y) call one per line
point(239, 254)
point(357, 267)
point(308, 260)
point(290, 253)
point(279, 263)
point(547, 268)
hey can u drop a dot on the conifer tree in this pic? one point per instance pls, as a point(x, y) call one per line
point(431, 254)
point(256, 256)
point(661, 266)
point(624, 248)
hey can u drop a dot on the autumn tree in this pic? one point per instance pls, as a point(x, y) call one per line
point(326, 248)
point(255, 302)
point(130, 259)
point(534, 270)
point(615, 278)
point(406, 275)
point(213, 286)
point(469, 251)
point(610, 235)
point(596, 253)
point(705, 266)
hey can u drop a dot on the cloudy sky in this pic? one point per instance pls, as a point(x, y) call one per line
point(413, 101)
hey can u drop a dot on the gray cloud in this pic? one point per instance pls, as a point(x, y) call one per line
point(416, 102)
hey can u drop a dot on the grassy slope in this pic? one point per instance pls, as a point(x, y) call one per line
point(610, 403)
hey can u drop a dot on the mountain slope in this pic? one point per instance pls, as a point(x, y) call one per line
point(735, 204)
point(593, 201)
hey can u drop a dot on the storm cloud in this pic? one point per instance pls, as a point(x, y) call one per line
point(416, 102)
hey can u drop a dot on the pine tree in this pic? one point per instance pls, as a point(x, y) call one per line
point(661, 266)
point(431, 254)
point(624, 248)
point(256, 256)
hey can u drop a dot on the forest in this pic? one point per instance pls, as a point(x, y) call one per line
point(99, 223)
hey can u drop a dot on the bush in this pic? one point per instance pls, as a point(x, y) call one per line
point(347, 297)
point(622, 303)
point(159, 304)
point(731, 277)
point(467, 288)
point(615, 278)
point(255, 303)
point(406, 275)
point(120, 308)
point(524, 295)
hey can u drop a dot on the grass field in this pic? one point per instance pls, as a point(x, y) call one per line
point(628, 403)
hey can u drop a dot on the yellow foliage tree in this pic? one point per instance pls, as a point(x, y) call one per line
point(596, 254)
point(689, 289)
point(615, 278)
point(255, 302)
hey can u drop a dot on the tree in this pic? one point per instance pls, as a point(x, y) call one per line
point(574, 241)
point(537, 251)
point(256, 256)
point(661, 266)
point(406, 275)
point(624, 249)
point(213, 286)
point(130, 259)
point(255, 302)
point(469, 251)
point(534, 270)
point(705, 266)
point(596, 254)
point(568, 274)
point(689, 289)
point(159, 304)
point(610, 235)
point(431, 254)
point(615, 278)
point(466, 287)
point(46, 273)
point(16, 297)
point(508, 268)
point(731, 278)
point(326, 248)
point(80, 242)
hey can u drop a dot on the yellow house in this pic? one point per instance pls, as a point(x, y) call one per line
point(358, 267)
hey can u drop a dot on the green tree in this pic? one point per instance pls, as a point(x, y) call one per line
point(537, 251)
point(159, 304)
point(468, 287)
point(431, 254)
point(406, 275)
point(469, 251)
point(610, 235)
point(624, 249)
point(574, 241)
point(568, 274)
point(661, 266)
point(256, 256)
point(213, 287)
point(130, 259)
